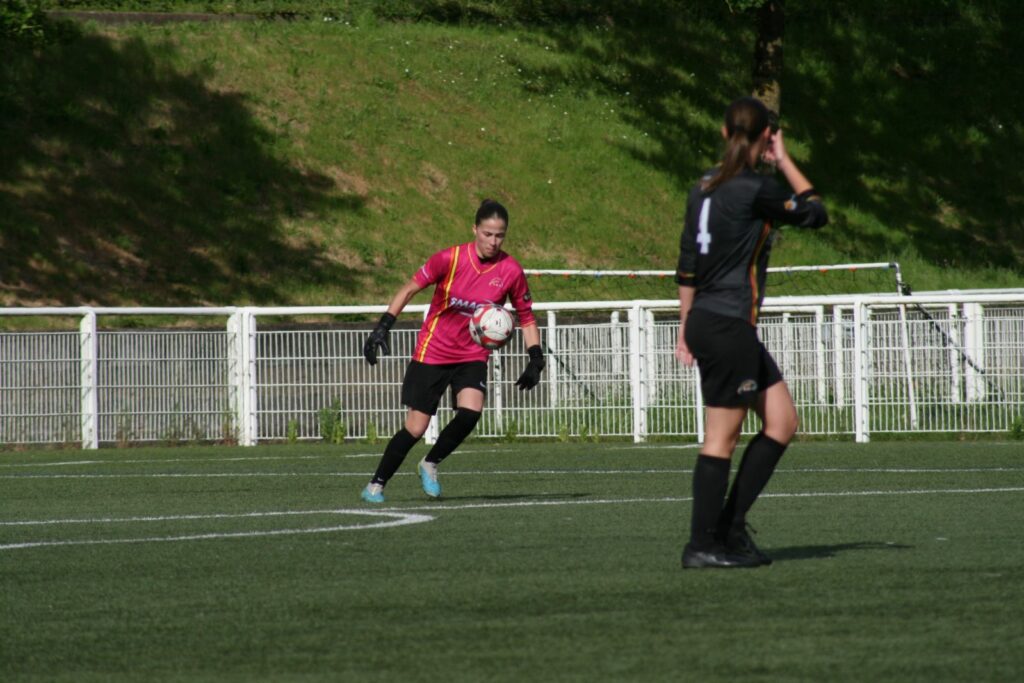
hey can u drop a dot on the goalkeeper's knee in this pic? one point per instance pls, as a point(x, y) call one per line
point(462, 424)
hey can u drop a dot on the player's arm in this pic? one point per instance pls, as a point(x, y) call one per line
point(523, 303)
point(403, 296)
point(686, 295)
point(531, 336)
point(802, 206)
point(380, 337)
point(686, 278)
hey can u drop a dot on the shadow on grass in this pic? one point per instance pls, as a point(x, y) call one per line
point(126, 179)
point(818, 552)
point(907, 115)
point(525, 497)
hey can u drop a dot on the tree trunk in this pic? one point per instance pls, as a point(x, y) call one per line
point(768, 54)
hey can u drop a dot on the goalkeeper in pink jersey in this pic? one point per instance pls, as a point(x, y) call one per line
point(464, 277)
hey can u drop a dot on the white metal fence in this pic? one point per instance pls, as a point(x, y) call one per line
point(856, 365)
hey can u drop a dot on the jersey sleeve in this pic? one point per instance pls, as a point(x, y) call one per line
point(435, 269)
point(780, 205)
point(522, 301)
point(686, 270)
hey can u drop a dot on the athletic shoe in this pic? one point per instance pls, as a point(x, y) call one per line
point(739, 542)
point(715, 557)
point(428, 476)
point(373, 493)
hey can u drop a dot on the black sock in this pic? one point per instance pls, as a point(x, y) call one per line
point(454, 433)
point(399, 446)
point(759, 460)
point(710, 482)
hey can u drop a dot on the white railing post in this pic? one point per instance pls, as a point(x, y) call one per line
point(497, 396)
point(89, 380)
point(248, 434)
point(974, 345)
point(955, 374)
point(861, 368)
point(908, 363)
point(616, 344)
point(698, 399)
point(636, 373)
point(552, 366)
point(235, 409)
point(839, 356)
point(433, 427)
point(651, 364)
point(819, 358)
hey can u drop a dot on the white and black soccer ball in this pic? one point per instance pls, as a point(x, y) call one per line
point(491, 326)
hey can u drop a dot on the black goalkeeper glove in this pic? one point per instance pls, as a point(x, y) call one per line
point(531, 375)
point(379, 337)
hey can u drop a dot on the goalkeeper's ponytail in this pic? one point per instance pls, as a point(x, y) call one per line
point(745, 121)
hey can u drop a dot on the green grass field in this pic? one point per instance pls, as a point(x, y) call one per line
point(893, 561)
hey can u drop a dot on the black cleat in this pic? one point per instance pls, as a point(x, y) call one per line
point(738, 542)
point(715, 557)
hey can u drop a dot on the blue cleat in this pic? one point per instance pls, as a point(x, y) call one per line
point(373, 493)
point(428, 476)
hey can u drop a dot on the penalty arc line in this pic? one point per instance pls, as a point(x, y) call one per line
point(405, 516)
point(396, 519)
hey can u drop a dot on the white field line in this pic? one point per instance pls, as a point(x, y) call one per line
point(393, 519)
point(324, 456)
point(683, 499)
point(505, 473)
point(403, 516)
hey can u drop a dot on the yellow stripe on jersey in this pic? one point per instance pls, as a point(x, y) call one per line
point(753, 271)
point(446, 287)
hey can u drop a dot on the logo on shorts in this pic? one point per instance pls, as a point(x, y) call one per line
point(747, 386)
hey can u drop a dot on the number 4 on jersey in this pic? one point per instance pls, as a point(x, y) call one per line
point(703, 236)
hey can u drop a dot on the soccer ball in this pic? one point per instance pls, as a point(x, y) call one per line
point(491, 326)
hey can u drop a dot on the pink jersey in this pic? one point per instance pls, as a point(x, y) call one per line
point(463, 282)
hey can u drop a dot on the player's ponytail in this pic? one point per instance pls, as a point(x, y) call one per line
point(490, 209)
point(745, 121)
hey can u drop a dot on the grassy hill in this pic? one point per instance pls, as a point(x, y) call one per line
point(321, 160)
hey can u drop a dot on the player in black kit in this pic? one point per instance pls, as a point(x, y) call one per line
point(723, 259)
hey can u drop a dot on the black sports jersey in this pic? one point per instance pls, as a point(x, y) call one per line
point(727, 238)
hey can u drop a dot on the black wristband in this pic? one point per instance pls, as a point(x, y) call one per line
point(386, 321)
point(536, 353)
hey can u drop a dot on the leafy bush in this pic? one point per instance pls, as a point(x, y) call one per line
point(23, 21)
point(332, 427)
point(1017, 428)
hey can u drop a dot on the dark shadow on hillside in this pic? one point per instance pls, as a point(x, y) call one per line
point(126, 180)
point(664, 66)
point(938, 124)
point(926, 100)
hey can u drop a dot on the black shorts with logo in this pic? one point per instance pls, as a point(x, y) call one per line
point(734, 365)
point(424, 384)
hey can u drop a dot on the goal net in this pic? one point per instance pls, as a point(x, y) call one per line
point(626, 285)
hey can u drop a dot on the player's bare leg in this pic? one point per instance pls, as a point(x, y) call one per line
point(710, 483)
point(779, 423)
point(469, 405)
point(394, 454)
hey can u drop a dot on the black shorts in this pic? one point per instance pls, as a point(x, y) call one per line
point(424, 384)
point(734, 365)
